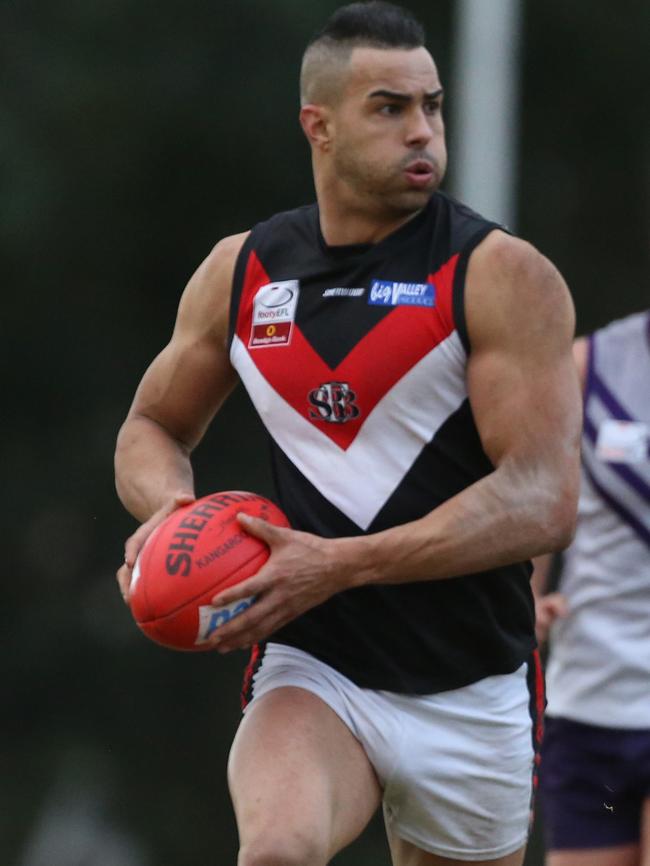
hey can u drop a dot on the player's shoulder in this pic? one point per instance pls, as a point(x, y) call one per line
point(286, 229)
point(213, 278)
point(466, 226)
point(458, 209)
point(295, 216)
point(511, 265)
point(510, 283)
point(205, 302)
point(214, 274)
point(223, 255)
point(506, 254)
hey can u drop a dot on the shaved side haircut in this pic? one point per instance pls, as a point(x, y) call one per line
point(373, 24)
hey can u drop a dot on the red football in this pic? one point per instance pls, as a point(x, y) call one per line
point(197, 551)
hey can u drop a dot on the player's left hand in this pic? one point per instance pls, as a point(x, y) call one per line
point(301, 572)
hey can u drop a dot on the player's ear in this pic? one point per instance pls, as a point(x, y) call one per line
point(316, 124)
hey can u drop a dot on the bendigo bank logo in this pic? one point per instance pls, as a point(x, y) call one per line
point(333, 402)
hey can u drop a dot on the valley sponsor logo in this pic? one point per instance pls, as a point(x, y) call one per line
point(388, 293)
point(274, 312)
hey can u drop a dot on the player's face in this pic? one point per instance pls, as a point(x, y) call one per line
point(388, 143)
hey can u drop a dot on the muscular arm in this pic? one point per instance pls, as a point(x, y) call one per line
point(180, 392)
point(524, 395)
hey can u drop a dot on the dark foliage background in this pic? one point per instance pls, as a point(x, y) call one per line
point(133, 136)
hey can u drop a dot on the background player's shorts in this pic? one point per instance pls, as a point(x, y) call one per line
point(593, 781)
point(456, 767)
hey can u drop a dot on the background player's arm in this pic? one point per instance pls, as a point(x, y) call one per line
point(177, 398)
point(524, 394)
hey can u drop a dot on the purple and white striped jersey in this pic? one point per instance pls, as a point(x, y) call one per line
point(599, 668)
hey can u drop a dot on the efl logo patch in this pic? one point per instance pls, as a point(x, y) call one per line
point(274, 312)
point(387, 293)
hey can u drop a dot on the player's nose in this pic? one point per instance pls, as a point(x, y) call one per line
point(418, 131)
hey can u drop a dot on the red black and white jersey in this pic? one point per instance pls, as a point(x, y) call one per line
point(355, 359)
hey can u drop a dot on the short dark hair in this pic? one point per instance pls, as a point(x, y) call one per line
point(373, 23)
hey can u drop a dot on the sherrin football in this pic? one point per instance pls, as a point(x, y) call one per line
point(199, 550)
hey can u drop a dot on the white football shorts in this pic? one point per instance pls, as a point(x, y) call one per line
point(456, 767)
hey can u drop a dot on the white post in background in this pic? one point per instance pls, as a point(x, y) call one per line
point(485, 90)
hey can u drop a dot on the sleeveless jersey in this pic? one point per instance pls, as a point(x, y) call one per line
point(599, 667)
point(354, 357)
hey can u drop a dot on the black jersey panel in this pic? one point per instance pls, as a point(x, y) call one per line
point(414, 637)
point(422, 637)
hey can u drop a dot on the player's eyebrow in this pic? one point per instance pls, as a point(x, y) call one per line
point(397, 96)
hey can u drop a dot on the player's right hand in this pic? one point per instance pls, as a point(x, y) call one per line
point(135, 542)
point(548, 608)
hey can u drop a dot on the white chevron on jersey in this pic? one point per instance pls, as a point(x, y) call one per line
point(359, 480)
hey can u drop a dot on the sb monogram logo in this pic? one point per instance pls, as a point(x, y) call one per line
point(333, 402)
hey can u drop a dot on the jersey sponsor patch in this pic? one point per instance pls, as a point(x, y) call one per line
point(343, 292)
point(622, 441)
point(387, 293)
point(274, 312)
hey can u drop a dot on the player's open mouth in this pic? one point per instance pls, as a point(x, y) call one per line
point(419, 173)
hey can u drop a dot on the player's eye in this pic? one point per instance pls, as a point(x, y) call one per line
point(432, 107)
point(390, 109)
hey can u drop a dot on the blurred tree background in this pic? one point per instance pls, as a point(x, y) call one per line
point(133, 136)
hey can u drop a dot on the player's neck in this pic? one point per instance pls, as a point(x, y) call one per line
point(343, 226)
point(345, 220)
